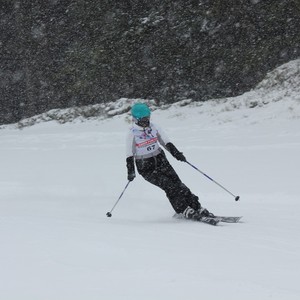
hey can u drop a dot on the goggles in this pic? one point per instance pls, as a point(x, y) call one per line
point(143, 122)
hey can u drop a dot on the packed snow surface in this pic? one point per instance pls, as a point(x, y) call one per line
point(58, 181)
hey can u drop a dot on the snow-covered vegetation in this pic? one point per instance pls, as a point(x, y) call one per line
point(280, 85)
point(60, 54)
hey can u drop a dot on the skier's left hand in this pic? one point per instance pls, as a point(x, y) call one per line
point(180, 156)
point(175, 152)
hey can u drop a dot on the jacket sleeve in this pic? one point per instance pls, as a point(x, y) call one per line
point(165, 142)
point(130, 145)
point(162, 137)
point(130, 152)
point(175, 152)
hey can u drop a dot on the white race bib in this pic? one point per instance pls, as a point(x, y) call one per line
point(146, 141)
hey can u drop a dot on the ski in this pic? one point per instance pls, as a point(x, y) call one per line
point(213, 220)
point(228, 219)
point(207, 220)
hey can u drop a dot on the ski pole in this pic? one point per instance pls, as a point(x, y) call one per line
point(108, 214)
point(235, 197)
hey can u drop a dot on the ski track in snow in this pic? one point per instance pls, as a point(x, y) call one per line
point(58, 182)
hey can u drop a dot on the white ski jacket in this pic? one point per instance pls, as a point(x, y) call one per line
point(145, 142)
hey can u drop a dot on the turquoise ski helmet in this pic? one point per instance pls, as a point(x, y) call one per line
point(140, 110)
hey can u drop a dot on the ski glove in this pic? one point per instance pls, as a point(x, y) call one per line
point(130, 168)
point(130, 177)
point(175, 152)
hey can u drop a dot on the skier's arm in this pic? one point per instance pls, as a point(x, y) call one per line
point(175, 152)
point(162, 137)
point(130, 150)
point(130, 168)
point(165, 142)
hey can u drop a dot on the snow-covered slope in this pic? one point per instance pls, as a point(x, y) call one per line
point(58, 181)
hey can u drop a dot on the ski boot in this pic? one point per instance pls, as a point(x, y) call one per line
point(201, 215)
point(190, 213)
point(205, 213)
point(202, 212)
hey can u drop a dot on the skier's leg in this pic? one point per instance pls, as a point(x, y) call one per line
point(176, 190)
point(159, 172)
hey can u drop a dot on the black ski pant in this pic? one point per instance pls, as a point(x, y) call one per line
point(158, 171)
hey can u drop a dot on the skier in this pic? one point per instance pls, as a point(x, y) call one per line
point(143, 147)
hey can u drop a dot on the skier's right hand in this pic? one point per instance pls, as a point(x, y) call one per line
point(131, 176)
point(130, 168)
